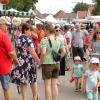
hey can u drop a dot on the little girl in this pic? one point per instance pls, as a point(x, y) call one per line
point(77, 71)
point(91, 80)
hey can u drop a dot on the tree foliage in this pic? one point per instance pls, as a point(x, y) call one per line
point(80, 7)
point(22, 5)
point(97, 8)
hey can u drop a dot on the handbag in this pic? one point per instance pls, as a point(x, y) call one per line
point(56, 56)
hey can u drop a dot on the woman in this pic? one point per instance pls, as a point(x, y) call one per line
point(96, 42)
point(87, 42)
point(35, 39)
point(26, 72)
point(96, 46)
point(62, 61)
point(50, 68)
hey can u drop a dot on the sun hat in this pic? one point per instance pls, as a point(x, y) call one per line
point(3, 20)
point(16, 21)
point(77, 58)
point(94, 60)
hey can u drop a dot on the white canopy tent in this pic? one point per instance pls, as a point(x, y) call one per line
point(31, 11)
point(94, 18)
point(80, 20)
point(51, 19)
point(12, 10)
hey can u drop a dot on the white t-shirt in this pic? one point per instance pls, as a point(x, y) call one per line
point(92, 78)
point(68, 35)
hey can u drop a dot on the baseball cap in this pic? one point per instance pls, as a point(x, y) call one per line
point(3, 20)
point(94, 60)
point(77, 58)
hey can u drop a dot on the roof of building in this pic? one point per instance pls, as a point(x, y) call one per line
point(71, 15)
point(61, 14)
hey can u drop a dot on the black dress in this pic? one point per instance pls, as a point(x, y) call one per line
point(26, 72)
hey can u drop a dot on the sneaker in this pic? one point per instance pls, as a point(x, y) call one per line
point(76, 90)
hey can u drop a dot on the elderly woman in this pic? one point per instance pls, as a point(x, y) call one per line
point(50, 68)
point(26, 72)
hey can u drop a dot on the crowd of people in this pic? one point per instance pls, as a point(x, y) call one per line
point(50, 48)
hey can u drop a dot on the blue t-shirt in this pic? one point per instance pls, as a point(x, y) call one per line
point(77, 70)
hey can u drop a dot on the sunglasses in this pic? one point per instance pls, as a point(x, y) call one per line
point(90, 30)
point(96, 64)
point(77, 60)
point(97, 32)
point(57, 30)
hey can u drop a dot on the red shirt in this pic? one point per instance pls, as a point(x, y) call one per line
point(5, 48)
point(88, 41)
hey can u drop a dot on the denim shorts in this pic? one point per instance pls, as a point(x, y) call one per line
point(5, 81)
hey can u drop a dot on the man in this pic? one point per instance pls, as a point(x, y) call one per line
point(78, 42)
point(7, 55)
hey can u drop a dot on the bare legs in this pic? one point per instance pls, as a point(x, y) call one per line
point(78, 82)
point(54, 89)
point(23, 90)
point(7, 95)
point(34, 90)
point(51, 89)
point(47, 83)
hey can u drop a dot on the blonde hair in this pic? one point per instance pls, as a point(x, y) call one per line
point(50, 28)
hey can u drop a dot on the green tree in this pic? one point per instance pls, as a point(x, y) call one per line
point(97, 8)
point(22, 5)
point(80, 7)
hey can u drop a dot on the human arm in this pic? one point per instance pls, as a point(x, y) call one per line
point(34, 35)
point(6, 41)
point(13, 56)
point(62, 48)
point(96, 87)
point(33, 54)
point(43, 51)
point(84, 84)
point(98, 82)
point(72, 71)
point(84, 80)
point(66, 47)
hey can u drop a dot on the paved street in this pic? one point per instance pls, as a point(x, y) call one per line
point(66, 90)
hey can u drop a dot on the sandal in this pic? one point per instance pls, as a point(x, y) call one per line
point(37, 98)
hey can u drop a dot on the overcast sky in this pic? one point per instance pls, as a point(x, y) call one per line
point(53, 6)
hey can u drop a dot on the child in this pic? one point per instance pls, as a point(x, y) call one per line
point(77, 71)
point(91, 80)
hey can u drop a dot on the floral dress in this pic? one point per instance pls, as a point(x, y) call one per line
point(26, 71)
